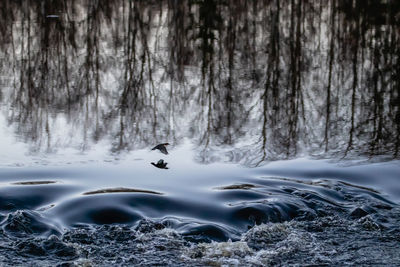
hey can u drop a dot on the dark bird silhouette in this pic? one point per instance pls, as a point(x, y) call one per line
point(160, 164)
point(162, 148)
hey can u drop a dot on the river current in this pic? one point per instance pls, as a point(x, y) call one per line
point(300, 211)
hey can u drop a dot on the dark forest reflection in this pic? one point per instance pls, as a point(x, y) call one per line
point(249, 81)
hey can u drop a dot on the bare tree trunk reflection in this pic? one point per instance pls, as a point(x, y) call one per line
point(328, 89)
point(246, 81)
point(354, 47)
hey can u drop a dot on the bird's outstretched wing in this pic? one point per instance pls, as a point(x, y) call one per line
point(163, 150)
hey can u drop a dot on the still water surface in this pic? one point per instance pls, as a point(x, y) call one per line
point(283, 119)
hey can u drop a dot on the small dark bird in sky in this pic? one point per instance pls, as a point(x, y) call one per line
point(160, 164)
point(162, 148)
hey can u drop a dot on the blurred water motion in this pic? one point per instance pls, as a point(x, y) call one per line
point(244, 81)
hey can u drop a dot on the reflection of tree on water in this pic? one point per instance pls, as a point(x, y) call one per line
point(252, 80)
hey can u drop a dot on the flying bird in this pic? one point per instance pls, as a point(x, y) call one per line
point(162, 148)
point(160, 164)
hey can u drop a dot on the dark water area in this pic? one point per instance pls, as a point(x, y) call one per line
point(282, 118)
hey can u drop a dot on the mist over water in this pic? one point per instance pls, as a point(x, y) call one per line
point(282, 118)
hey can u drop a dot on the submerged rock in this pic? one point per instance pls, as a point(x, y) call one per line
point(358, 213)
point(262, 235)
point(22, 223)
